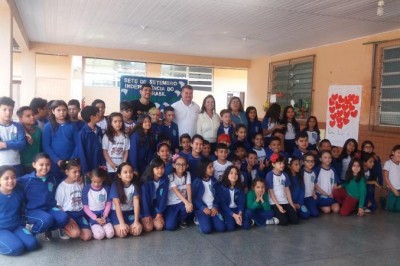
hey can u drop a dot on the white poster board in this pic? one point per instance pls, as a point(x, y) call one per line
point(343, 113)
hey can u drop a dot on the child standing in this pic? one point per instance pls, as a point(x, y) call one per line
point(69, 198)
point(349, 150)
point(368, 162)
point(155, 115)
point(154, 196)
point(179, 203)
point(97, 204)
point(14, 238)
point(271, 121)
point(368, 147)
point(310, 180)
point(115, 143)
point(232, 199)
point(292, 128)
point(74, 107)
point(126, 110)
point(258, 207)
point(258, 147)
point(125, 208)
point(195, 156)
point(391, 177)
point(12, 137)
point(206, 152)
point(163, 151)
point(40, 111)
point(297, 187)
point(221, 163)
point(313, 133)
point(280, 197)
point(185, 140)
point(241, 137)
point(101, 105)
point(226, 126)
point(205, 200)
point(170, 128)
point(353, 190)
point(254, 125)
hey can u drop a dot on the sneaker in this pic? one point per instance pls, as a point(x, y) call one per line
point(183, 225)
point(252, 222)
point(47, 236)
point(366, 210)
point(196, 222)
point(62, 234)
point(274, 220)
point(29, 227)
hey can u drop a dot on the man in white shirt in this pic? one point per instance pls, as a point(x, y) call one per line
point(186, 112)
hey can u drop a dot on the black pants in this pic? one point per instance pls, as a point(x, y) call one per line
point(290, 216)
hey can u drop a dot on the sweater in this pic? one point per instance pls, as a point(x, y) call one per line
point(357, 190)
point(252, 204)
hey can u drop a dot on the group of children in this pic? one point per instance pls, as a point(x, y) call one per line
point(112, 176)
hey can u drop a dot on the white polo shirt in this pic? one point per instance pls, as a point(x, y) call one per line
point(186, 117)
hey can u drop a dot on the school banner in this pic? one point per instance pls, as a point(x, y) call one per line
point(343, 113)
point(165, 91)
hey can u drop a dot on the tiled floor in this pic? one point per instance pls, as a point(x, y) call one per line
point(328, 240)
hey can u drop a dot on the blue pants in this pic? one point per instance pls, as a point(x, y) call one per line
point(14, 242)
point(46, 220)
point(324, 201)
point(230, 222)
point(370, 198)
point(303, 212)
point(129, 217)
point(260, 216)
point(173, 214)
point(80, 219)
point(210, 223)
point(311, 205)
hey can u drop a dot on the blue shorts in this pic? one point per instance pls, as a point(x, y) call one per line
point(324, 201)
point(80, 219)
point(129, 217)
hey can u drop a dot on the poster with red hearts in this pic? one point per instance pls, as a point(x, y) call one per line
point(343, 114)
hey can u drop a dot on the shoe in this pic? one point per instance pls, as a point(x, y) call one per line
point(29, 227)
point(252, 222)
point(183, 225)
point(196, 222)
point(366, 210)
point(62, 234)
point(274, 220)
point(47, 236)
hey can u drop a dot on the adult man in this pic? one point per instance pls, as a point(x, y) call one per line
point(186, 112)
point(143, 105)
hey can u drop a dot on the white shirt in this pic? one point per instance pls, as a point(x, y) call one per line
point(394, 173)
point(156, 186)
point(219, 169)
point(232, 204)
point(69, 196)
point(208, 197)
point(208, 127)
point(180, 183)
point(115, 150)
point(312, 137)
point(326, 180)
point(309, 183)
point(129, 192)
point(97, 199)
point(345, 165)
point(102, 124)
point(261, 154)
point(186, 117)
point(279, 187)
point(9, 156)
point(290, 133)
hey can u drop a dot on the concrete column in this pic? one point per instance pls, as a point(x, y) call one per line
point(5, 50)
point(28, 77)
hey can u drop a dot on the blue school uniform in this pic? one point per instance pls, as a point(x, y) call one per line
point(14, 238)
point(96, 200)
point(192, 162)
point(41, 206)
point(90, 150)
point(154, 201)
point(254, 128)
point(290, 142)
point(248, 147)
point(127, 210)
point(79, 124)
point(324, 201)
point(206, 223)
point(172, 132)
point(254, 173)
point(297, 192)
point(229, 207)
point(141, 154)
point(269, 152)
point(230, 129)
point(298, 153)
point(168, 168)
point(156, 130)
point(184, 154)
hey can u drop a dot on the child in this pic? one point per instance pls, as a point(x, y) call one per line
point(164, 154)
point(241, 137)
point(33, 136)
point(258, 147)
point(302, 145)
point(324, 145)
point(254, 125)
point(97, 204)
point(310, 180)
point(258, 207)
point(185, 140)
point(280, 197)
point(170, 128)
point(155, 115)
point(59, 138)
point(368, 147)
point(125, 208)
point(349, 150)
point(275, 147)
point(353, 190)
point(142, 145)
point(115, 143)
point(297, 187)
point(195, 156)
point(179, 203)
point(90, 138)
point(40, 111)
point(327, 181)
point(391, 177)
point(206, 151)
point(240, 151)
point(69, 198)
point(368, 162)
point(101, 105)
point(313, 133)
point(271, 122)
point(74, 108)
point(221, 163)
point(253, 168)
point(243, 175)
point(12, 137)
point(154, 196)
point(226, 126)
point(232, 199)
point(292, 128)
point(205, 200)
point(126, 110)
point(14, 238)
point(41, 211)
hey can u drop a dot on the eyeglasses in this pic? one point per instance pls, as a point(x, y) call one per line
point(180, 164)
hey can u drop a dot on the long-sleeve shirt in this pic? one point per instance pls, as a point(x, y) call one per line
point(252, 204)
point(14, 137)
point(89, 148)
point(357, 190)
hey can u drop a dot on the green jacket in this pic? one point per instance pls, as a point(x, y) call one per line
point(252, 204)
point(357, 190)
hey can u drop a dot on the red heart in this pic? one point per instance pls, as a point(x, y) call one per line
point(339, 119)
point(334, 96)
point(332, 109)
point(339, 113)
point(338, 105)
point(351, 97)
point(352, 107)
point(331, 101)
point(354, 113)
point(356, 99)
point(346, 121)
point(340, 125)
point(345, 107)
point(346, 114)
point(340, 99)
point(332, 123)
point(333, 116)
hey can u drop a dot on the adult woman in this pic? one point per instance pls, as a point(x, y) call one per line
point(238, 114)
point(208, 121)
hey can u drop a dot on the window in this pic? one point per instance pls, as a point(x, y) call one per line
point(291, 83)
point(107, 73)
point(200, 78)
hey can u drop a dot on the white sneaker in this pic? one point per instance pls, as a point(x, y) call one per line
point(62, 234)
point(196, 222)
point(29, 227)
point(274, 220)
point(252, 222)
point(47, 236)
point(366, 210)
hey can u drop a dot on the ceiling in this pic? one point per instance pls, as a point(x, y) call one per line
point(243, 29)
